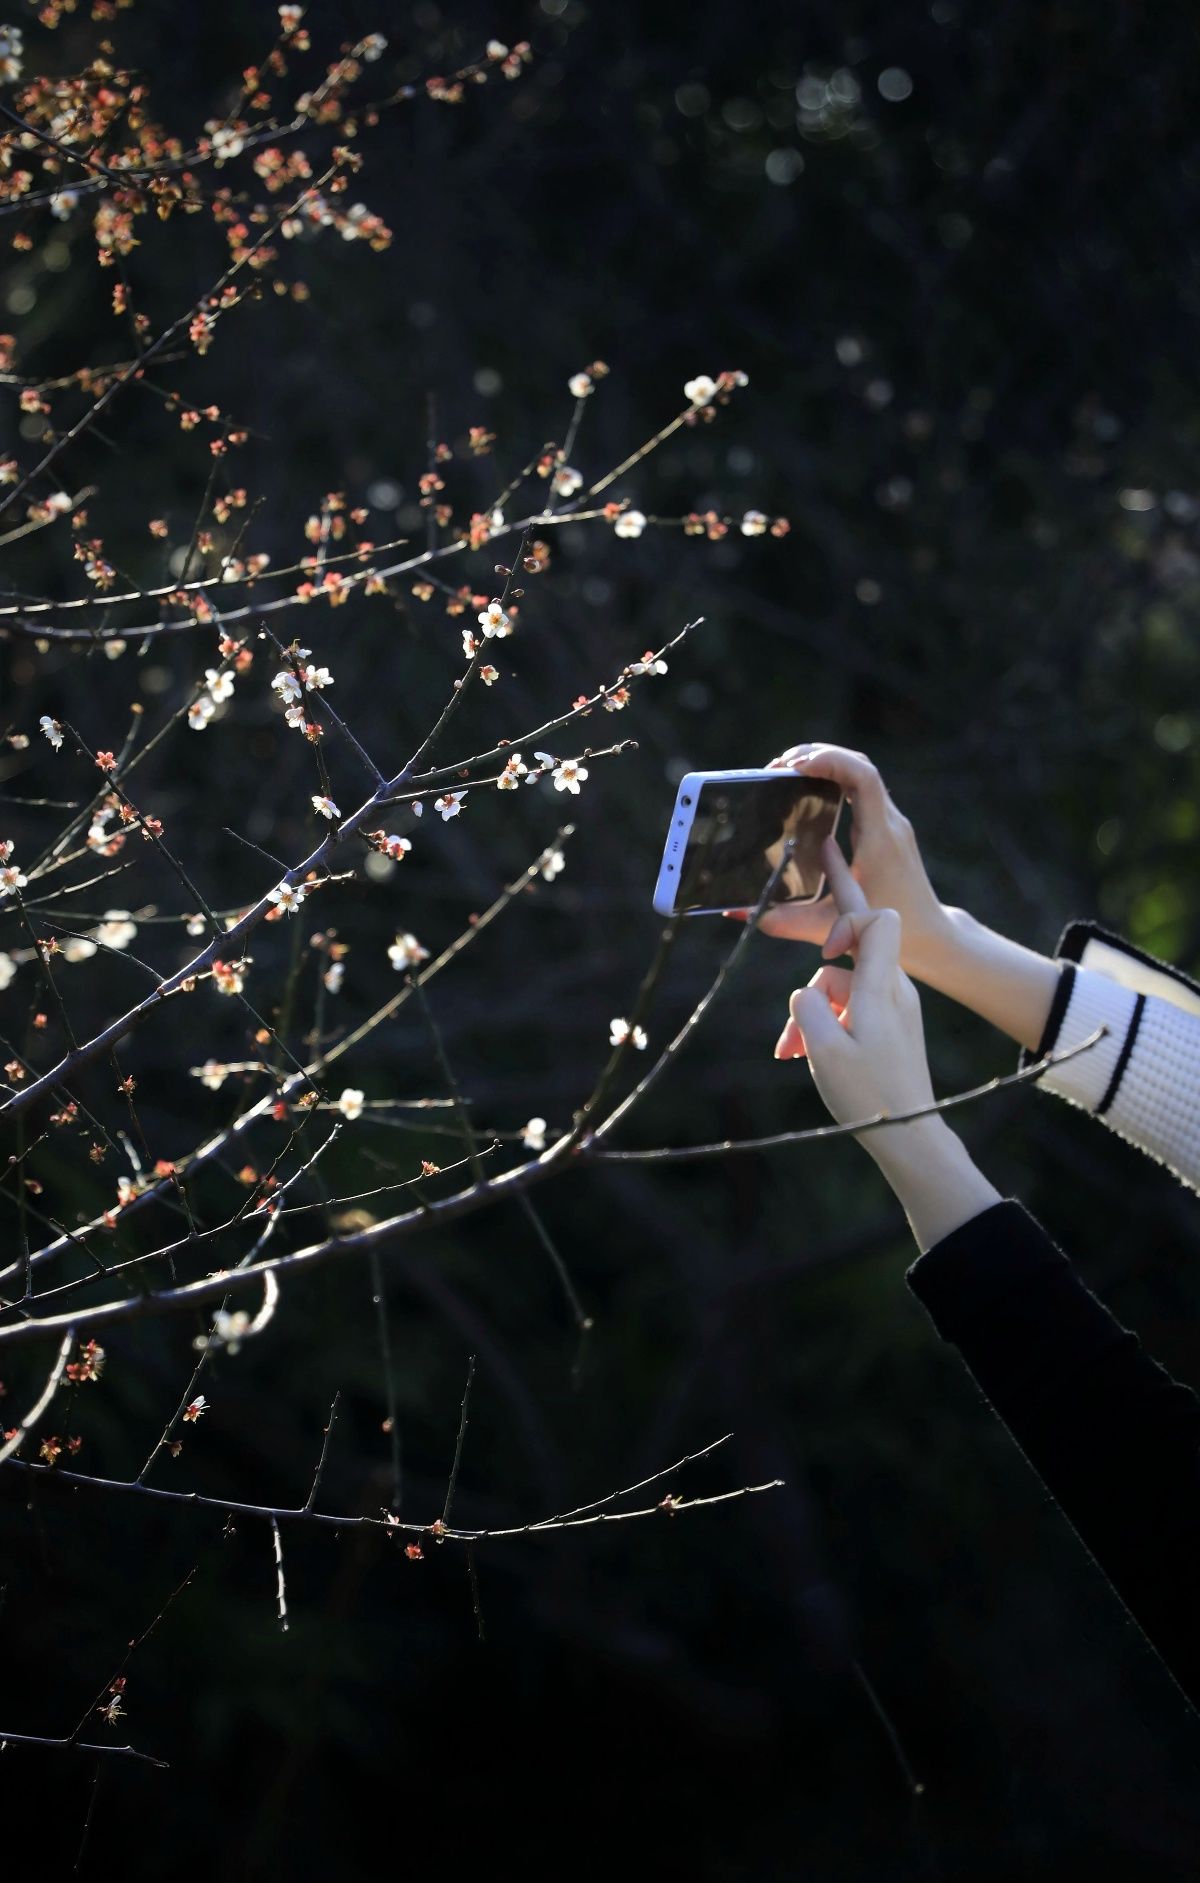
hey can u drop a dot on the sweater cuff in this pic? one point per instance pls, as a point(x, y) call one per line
point(998, 1252)
point(1091, 1078)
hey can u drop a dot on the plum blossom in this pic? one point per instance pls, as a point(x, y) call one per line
point(533, 1135)
point(75, 948)
point(701, 391)
point(553, 864)
point(220, 684)
point(489, 675)
point(350, 1104)
point(754, 523)
point(200, 712)
point(286, 685)
point(580, 385)
point(62, 203)
point(648, 664)
point(52, 730)
point(212, 1074)
point(470, 644)
point(317, 677)
point(288, 896)
point(514, 770)
point(228, 1329)
point(406, 951)
point(324, 806)
point(620, 1030)
point(450, 805)
point(11, 878)
point(493, 620)
point(117, 929)
point(334, 976)
point(396, 847)
point(8, 968)
point(567, 481)
point(229, 977)
point(569, 775)
point(629, 523)
point(195, 1410)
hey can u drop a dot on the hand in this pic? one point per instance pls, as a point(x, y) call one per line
point(860, 1029)
point(886, 862)
point(861, 1032)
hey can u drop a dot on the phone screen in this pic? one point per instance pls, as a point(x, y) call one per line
point(738, 835)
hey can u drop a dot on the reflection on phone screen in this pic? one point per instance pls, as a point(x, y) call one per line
point(738, 837)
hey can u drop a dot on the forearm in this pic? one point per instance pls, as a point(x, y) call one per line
point(931, 1172)
point(1008, 985)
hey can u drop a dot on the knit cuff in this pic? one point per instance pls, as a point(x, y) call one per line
point(998, 1252)
point(1092, 1077)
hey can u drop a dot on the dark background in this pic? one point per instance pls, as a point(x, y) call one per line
point(968, 319)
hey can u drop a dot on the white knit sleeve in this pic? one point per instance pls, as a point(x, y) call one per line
point(1143, 1079)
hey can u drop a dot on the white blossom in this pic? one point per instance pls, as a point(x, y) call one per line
point(629, 523)
point(52, 730)
point(333, 977)
point(566, 481)
point(569, 775)
point(514, 770)
point(648, 664)
point(62, 203)
point(8, 968)
point(325, 806)
point(396, 847)
point(754, 523)
point(350, 1104)
point(533, 1135)
point(11, 879)
point(489, 675)
point(450, 805)
point(701, 390)
point(288, 896)
point(317, 677)
point(580, 384)
point(228, 1329)
point(470, 644)
point(195, 925)
point(493, 620)
point(75, 948)
point(406, 951)
point(117, 929)
point(286, 685)
point(211, 1074)
point(620, 1030)
point(200, 712)
point(553, 864)
point(220, 683)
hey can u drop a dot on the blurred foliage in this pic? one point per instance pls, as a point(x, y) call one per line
point(952, 246)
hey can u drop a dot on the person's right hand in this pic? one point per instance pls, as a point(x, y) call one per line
point(886, 863)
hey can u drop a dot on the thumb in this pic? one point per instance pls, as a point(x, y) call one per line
point(817, 1023)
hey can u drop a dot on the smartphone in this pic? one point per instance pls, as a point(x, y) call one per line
point(727, 834)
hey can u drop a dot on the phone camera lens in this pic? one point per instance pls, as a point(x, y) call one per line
point(685, 800)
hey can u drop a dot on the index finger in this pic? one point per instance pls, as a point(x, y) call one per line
point(853, 771)
point(846, 892)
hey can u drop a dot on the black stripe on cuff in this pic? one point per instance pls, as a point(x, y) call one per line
point(1055, 1017)
point(1114, 1083)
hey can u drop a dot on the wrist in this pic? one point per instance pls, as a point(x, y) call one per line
point(938, 953)
point(933, 1176)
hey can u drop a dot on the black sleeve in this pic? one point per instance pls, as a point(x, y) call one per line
point(1115, 1439)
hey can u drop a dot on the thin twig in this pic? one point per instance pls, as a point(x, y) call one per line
point(458, 1445)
